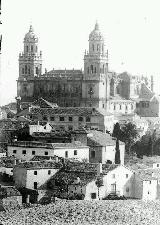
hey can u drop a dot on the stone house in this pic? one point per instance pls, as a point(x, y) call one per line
point(10, 197)
point(82, 180)
point(101, 146)
point(71, 118)
point(27, 150)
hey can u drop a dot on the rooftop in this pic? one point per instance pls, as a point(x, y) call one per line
point(8, 192)
point(99, 138)
point(34, 144)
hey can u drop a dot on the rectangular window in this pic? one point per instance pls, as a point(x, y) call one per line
point(150, 181)
point(126, 175)
point(35, 172)
point(23, 152)
point(14, 151)
point(88, 119)
point(113, 176)
point(66, 154)
point(93, 195)
point(75, 152)
point(70, 119)
point(80, 119)
point(93, 154)
point(35, 185)
point(49, 172)
point(52, 118)
point(33, 152)
point(46, 153)
point(37, 70)
point(61, 118)
point(127, 189)
point(45, 118)
point(157, 165)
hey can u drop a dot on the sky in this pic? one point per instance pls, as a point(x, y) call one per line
point(131, 29)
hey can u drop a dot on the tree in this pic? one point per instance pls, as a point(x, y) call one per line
point(117, 154)
point(99, 183)
point(117, 131)
point(129, 135)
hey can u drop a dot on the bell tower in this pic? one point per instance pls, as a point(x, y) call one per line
point(30, 66)
point(95, 86)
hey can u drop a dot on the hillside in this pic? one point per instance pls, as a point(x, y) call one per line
point(128, 212)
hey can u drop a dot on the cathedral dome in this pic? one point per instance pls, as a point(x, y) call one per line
point(30, 36)
point(96, 34)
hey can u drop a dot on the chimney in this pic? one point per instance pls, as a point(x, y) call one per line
point(99, 169)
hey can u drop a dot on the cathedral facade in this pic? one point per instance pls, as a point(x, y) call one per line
point(95, 86)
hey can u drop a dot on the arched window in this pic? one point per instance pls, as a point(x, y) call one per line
point(22, 70)
point(98, 47)
point(31, 48)
point(93, 47)
point(27, 48)
point(88, 70)
point(25, 69)
point(95, 71)
point(91, 68)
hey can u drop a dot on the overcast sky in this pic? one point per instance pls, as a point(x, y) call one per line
point(131, 29)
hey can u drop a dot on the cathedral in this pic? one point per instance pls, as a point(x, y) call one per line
point(95, 86)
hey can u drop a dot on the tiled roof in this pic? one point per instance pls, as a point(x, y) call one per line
point(87, 172)
point(99, 138)
point(146, 174)
point(8, 192)
point(72, 74)
point(31, 144)
point(42, 103)
point(79, 111)
point(46, 164)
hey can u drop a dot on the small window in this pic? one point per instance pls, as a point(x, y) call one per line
point(14, 151)
point(37, 70)
point(46, 153)
point(26, 48)
point(35, 172)
point(70, 119)
point(127, 189)
point(150, 181)
point(22, 70)
point(148, 192)
point(33, 152)
point(93, 154)
point(120, 107)
point(25, 69)
point(52, 118)
point(66, 154)
point(157, 165)
point(126, 107)
point(23, 152)
point(114, 107)
point(80, 119)
point(49, 172)
point(93, 195)
point(35, 185)
point(93, 47)
point(11, 171)
point(103, 105)
point(31, 48)
point(61, 118)
point(75, 152)
point(126, 175)
point(29, 71)
point(45, 118)
point(113, 176)
point(88, 119)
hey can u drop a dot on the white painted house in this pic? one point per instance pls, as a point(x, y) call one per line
point(27, 150)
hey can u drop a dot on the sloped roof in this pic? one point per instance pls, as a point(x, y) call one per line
point(42, 103)
point(146, 174)
point(99, 138)
point(146, 93)
point(79, 111)
point(45, 164)
point(8, 192)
